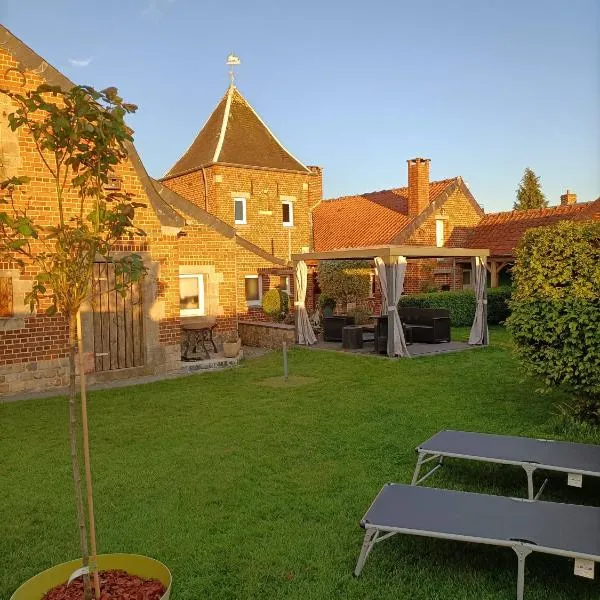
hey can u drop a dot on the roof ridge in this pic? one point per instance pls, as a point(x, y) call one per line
point(169, 173)
point(539, 211)
point(268, 130)
point(224, 123)
point(395, 189)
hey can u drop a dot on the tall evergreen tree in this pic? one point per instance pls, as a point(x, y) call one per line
point(529, 192)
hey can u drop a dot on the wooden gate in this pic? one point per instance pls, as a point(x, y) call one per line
point(118, 333)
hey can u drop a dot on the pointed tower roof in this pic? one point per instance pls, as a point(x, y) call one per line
point(235, 134)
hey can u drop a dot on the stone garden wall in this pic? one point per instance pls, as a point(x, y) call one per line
point(266, 335)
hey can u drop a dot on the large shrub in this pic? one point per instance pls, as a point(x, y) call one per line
point(461, 304)
point(345, 280)
point(555, 320)
point(275, 304)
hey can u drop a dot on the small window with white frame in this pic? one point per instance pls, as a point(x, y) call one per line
point(239, 211)
point(439, 232)
point(191, 295)
point(253, 290)
point(287, 213)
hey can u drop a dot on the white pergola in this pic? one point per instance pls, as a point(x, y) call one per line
point(391, 262)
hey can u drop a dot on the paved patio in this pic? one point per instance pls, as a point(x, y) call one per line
point(415, 350)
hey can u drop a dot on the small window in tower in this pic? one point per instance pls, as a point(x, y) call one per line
point(287, 212)
point(239, 206)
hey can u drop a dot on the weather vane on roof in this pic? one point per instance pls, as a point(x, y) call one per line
point(232, 61)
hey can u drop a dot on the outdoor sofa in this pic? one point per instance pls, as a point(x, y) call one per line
point(333, 326)
point(425, 325)
point(428, 325)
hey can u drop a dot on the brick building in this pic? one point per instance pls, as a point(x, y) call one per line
point(424, 213)
point(239, 172)
point(200, 261)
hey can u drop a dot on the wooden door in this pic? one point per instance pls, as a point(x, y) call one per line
point(118, 319)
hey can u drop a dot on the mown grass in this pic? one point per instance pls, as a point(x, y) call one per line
point(249, 491)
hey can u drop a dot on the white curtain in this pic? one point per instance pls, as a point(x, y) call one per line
point(304, 331)
point(390, 295)
point(479, 331)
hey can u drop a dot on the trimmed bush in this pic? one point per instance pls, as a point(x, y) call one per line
point(555, 320)
point(275, 304)
point(345, 280)
point(461, 304)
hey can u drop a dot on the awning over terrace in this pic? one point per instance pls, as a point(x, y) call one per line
point(391, 268)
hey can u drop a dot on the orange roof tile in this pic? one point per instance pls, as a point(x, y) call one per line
point(370, 219)
point(501, 232)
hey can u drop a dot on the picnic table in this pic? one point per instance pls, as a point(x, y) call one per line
point(197, 331)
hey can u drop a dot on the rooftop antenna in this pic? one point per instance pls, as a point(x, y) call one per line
point(232, 61)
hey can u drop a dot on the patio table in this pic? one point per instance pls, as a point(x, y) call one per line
point(196, 332)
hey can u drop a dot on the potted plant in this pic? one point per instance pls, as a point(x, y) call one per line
point(327, 304)
point(232, 344)
point(80, 137)
point(275, 304)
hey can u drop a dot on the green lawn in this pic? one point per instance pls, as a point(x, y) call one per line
point(247, 490)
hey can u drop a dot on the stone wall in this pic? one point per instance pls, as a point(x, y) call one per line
point(266, 335)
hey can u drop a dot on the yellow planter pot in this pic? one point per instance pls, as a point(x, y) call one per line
point(134, 564)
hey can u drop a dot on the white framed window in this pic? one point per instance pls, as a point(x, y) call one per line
point(287, 213)
point(253, 290)
point(439, 232)
point(239, 211)
point(191, 295)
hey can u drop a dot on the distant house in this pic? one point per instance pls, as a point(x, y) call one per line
point(424, 213)
point(502, 231)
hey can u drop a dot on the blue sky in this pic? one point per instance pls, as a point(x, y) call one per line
point(484, 88)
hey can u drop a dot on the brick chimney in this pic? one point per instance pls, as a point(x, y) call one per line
point(418, 185)
point(568, 198)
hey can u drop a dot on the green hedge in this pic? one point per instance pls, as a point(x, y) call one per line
point(461, 304)
point(555, 320)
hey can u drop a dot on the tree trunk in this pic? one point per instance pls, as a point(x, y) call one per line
point(86, 460)
point(83, 539)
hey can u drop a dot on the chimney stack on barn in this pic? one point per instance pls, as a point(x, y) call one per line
point(418, 185)
point(568, 198)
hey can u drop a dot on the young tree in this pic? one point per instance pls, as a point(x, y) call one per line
point(80, 136)
point(529, 192)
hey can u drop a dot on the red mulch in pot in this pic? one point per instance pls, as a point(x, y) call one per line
point(114, 585)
